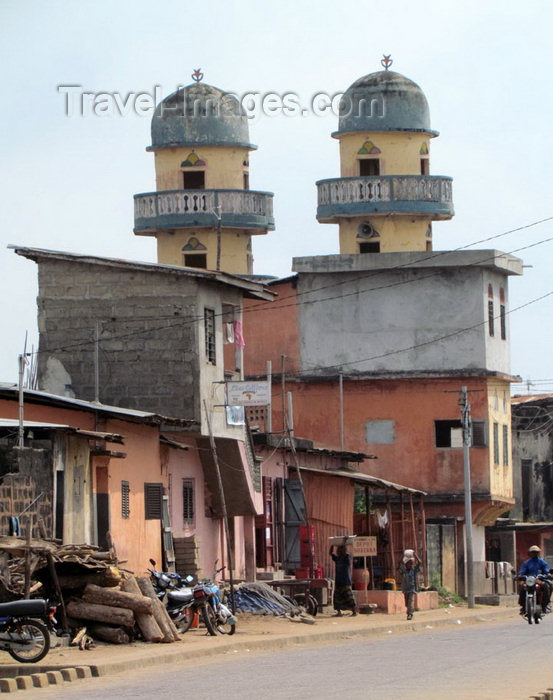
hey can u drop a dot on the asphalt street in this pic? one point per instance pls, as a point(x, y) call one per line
point(494, 660)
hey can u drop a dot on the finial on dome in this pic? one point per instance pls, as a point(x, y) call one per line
point(387, 61)
point(197, 75)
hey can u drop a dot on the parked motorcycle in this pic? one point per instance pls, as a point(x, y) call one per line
point(177, 594)
point(215, 614)
point(25, 638)
point(532, 587)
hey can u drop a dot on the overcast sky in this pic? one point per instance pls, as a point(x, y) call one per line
point(67, 182)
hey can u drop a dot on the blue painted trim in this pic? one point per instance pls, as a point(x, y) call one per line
point(329, 212)
point(206, 220)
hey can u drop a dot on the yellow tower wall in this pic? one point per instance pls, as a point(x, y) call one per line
point(236, 257)
point(400, 152)
point(224, 167)
point(397, 233)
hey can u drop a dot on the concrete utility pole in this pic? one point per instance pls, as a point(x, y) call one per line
point(467, 440)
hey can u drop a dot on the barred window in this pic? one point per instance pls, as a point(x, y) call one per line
point(490, 311)
point(188, 500)
point(505, 445)
point(209, 330)
point(125, 500)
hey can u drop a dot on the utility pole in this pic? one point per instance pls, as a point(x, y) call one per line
point(218, 215)
point(21, 431)
point(467, 440)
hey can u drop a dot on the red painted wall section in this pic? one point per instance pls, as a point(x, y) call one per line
point(413, 406)
point(272, 331)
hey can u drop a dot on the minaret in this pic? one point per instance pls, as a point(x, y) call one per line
point(386, 199)
point(203, 213)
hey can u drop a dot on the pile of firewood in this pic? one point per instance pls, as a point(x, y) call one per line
point(110, 613)
point(96, 596)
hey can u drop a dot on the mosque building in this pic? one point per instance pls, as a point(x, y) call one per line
point(203, 213)
point(377, 341)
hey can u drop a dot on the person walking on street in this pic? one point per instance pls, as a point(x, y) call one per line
point(408, 570)
point(343, 593)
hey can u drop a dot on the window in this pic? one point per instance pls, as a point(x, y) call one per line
point(209, 330)
point(380, 432)
point(425, 166)
point(502, 314)
point(198, 260)
point(479, 433)
point(449, 433)
point(188, 501)
point(505, 446)
point(125, 500)
point(490, 311)
point(153, 496)
point(194, 180)
point(369, 167)
point(496, 443)
point(371, 247)
point(246, 181)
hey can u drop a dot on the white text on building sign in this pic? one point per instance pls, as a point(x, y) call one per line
point(248, 393)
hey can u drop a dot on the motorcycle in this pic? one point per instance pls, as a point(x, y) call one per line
point(25, 638)
point(532, 587)
point(215, 614)
point(177, 594)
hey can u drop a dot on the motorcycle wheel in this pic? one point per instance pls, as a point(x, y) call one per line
point(309, 604)
point(209, 619)
point(530, 611)
point(183, 624)
point(36, 638)
point(225, 628)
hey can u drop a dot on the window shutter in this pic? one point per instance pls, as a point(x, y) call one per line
point(125, 500)
point(153, 494)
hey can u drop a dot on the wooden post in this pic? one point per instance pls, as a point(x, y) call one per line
point(413, 522)
point(27, 592)
point(391, 526)
point(423, 530)
point(402, 521)
point(57, 588)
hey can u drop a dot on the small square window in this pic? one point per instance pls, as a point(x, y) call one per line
point(369, 167)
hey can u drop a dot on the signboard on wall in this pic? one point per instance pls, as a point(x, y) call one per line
point(364, 546)
point(248, 393)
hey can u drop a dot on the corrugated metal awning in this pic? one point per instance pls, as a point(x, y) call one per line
point(366, 479)
point(13, 424)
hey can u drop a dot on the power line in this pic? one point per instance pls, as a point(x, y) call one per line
point(264, 307)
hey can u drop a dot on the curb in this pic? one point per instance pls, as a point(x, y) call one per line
point(45, 676)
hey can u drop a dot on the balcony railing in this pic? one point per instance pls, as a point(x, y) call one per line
point(154, 211)
point(385, 194)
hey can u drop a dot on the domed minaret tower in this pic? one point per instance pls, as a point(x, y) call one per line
point(386, 199)
point(203, 213)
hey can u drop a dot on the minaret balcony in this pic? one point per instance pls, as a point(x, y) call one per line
point(173, 209)
point(415, 195)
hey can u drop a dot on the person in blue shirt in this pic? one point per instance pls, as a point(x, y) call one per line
point(532, 567)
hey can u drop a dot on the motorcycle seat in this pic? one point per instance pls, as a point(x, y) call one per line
point(29, 608)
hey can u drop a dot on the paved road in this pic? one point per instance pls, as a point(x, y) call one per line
point(510, 661)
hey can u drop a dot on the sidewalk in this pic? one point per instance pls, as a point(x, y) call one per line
point(253, 633)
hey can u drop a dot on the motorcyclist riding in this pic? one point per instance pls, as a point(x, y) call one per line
point(532, 567)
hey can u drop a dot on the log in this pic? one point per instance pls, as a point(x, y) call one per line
point(117, 598)
point(114, 635)
point(77, 638)
point(146, 623)
point(100, 613)
point(109, 578)
point(161, 615)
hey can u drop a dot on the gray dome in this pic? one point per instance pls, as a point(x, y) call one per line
point(384, 101)
point(199, 115)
